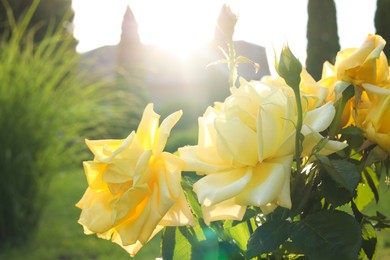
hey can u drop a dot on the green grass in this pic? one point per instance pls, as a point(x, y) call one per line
point(59, 236)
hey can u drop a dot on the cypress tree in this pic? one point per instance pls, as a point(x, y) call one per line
point(382, 22)
point(322, 38)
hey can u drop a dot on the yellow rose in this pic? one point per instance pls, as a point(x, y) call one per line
point(357, 66)
point(134, 187)
point(374, 119)
point(246, 147)
point(367, 64)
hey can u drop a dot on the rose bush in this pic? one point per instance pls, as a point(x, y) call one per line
point(133, 186)
point(246, 148)
point(282, 168)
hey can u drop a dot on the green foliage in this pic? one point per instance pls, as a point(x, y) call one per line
point(327, 235)
point(382, 22)
point(322, 38)
point(47, 108)
point(268, 237)
point(49, 14)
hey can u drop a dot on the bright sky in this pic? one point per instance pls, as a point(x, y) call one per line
point(269, 23)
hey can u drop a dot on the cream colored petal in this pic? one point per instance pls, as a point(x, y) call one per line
point(376, 90)
point(130, 201)
point(375, 46)
point(320, 118)
point(167, 194)
point(273, 123)
point(328, 70)
point(192, 163)
point(94, 172)
point(239, 140)
point(125, 161)
point(270, 207)
point(210, 149)
point(267, 182)
point(179, 214)
point(165, 130)
point(226, 210)
point(103, 148)
point(143, 173)
point(312, 138)
point(382, 139)
point(310, 89)
point(96, 211)
point(106, 150)
point(218, 187)
point(287, 147)
point(284, 197)
point(148, 127)
point(86, 198)
point(173, 166)
point(134, 248)
point(141, 225)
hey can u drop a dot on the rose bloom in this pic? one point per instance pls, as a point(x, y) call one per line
point(357, 66)
point(367, 64)
point(245, 150)
point(134, 187)
point(375, 120)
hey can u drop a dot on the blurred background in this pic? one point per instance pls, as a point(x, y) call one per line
point(71, 70)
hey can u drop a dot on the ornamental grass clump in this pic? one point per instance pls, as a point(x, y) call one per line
point(46, 105)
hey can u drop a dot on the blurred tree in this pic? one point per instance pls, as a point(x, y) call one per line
point(322, 38)
point(48, 13)
point(130, 49)
point(382, 22)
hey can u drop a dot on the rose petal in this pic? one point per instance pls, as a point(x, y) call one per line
point(225, 210)
point(147, 128)
point(215, 188)
point(266, 183)
point(320, 118)
point(165, 130)
point(96, 210)
point(189, 154)
point(239, 140)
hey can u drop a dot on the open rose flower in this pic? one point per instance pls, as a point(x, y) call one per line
point(245, 150)
point(357, 66)
point(367, 64)
point(374, 120)
point(134, 187)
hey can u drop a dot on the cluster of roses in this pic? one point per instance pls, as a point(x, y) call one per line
point(246, 148)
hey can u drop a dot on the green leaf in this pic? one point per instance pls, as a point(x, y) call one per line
point(240, 234)
point(351, 130)
point(268, 237)
point(168, 242)
point(192, 199)
point(174, 245)
point(327, 235)
point(384, 194)
point(332, 192)
point(342, 172)
point(372, 181)
point(369, 240)
point(366, 191)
